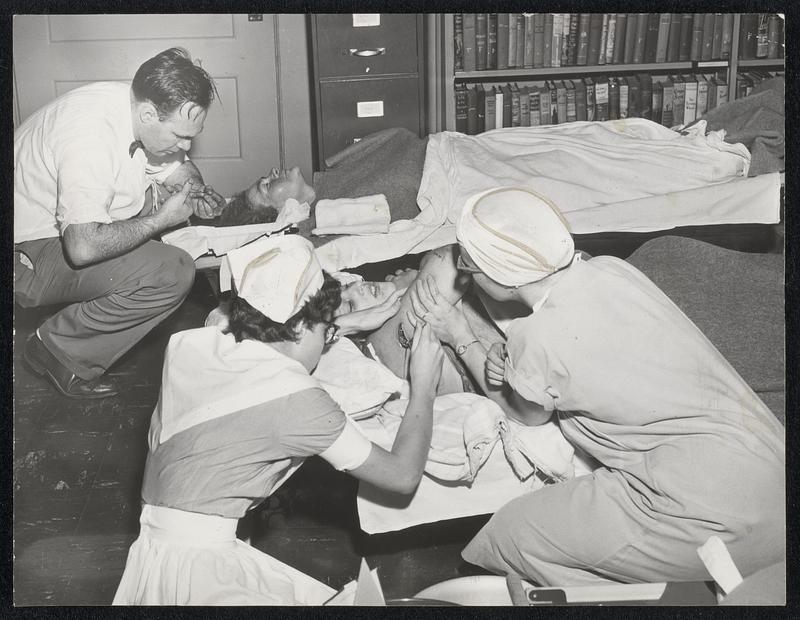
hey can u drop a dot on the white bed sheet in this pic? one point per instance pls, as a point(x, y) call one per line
point(626, 175)
point(495, 485)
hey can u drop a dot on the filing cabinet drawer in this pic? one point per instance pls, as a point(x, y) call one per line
point(346, 50)
point(354, 108)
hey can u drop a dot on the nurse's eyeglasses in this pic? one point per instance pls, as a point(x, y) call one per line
point(462, 265)
point(331, 333)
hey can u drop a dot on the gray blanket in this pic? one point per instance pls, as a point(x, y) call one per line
point(387, 162)
point(735, 298)
point(757, 121)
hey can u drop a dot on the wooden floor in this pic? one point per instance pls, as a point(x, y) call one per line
point(77, 474)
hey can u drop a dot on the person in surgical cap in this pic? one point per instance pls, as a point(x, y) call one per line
point(237, 413)
point(686, 449)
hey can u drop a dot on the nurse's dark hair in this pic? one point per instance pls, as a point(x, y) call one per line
point(245, 322)
point(239, 211)
point(170, 79)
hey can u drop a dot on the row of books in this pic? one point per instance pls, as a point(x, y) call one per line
point(487, 41)
point(673, 100)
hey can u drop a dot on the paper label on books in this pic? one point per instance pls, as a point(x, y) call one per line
point(366, 109)
point(361, 20)
point(601, 92)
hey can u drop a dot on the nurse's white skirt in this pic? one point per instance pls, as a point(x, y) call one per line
point(186, 558)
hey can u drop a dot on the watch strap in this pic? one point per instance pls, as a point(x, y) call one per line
point(462, 348)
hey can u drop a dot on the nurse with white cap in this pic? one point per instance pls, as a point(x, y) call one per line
point(687, 450)
point(237, 413)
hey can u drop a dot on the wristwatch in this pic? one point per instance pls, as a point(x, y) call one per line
point(462, 348)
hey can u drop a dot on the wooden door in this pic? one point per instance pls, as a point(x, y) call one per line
point(251, 128)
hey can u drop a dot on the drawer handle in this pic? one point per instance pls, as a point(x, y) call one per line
point(377, 51)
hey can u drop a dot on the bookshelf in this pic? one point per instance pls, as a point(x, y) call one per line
point(725, 70)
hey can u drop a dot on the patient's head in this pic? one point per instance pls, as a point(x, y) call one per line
point(263, 200)
point(363, 295)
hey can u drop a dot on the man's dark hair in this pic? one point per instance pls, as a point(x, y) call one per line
point(170, 79)
point(245, 322)
point(239, 212)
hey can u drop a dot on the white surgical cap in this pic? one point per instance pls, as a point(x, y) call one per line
point(276, 275)
point(514, 235)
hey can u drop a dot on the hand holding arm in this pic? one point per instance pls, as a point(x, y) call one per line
point(401, 469)
point(371, 318)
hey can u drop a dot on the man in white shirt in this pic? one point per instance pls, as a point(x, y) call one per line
point(83, 231)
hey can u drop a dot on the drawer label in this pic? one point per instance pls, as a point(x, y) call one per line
point(366, 109)
point(361, 20)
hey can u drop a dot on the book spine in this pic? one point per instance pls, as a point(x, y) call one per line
point(580, 100)
point(516, 112)
point(712, 93)
point(716, 40)
point(521, 23)
point(571, 110)
point(499, 102)
point(685, 45)
point(547, 41)
point(645, 96)
point(601, 99)
point(502, 40)
point(538, 40)
point(560, 34)
point(690, 101)
point(529, 41)
point(481, 97)
point(469, 41)
point(727, 36)
point(620, 38)
point(472, 111)
point(722, 92)
point(697, 38)
point(708, 36)
point(593, 42)
point(662, 40)
point(490, 99)
point(506, 105)
point(481, 34)
point(613, 99)
point(762, 36)
point(524, 107)
point(544, 105)
point(583, 38)
point(633, 97)
point(553, 103)
point(601, 52)
point(533, 100)
point(565, 25)
point(512, 40)
point(555, 45)
point(574, 24)
point(774, 43)
point(561, 101)
point(623, 98)
point(678, 102)
point(702, 96)
point(658, 94)
point(640, 38)
point(590, 100)
point(674, 39)
point(458, 42)
point(461, 108)
point(611, 38)
point(747, 36)
point(667, 100)
point(491, 41)
point(651, 38)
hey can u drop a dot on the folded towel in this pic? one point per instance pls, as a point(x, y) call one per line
point(353, 216)
point(199, 240)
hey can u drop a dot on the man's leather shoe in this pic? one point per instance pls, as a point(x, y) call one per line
point(44, 363)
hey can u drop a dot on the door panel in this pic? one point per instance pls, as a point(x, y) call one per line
point(243, 133)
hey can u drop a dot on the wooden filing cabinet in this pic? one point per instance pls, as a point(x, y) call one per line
point(367, 75)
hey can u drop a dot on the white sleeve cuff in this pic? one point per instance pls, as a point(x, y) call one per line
point(350, 450)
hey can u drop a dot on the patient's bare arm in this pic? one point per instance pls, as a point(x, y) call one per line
point(439, 264)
